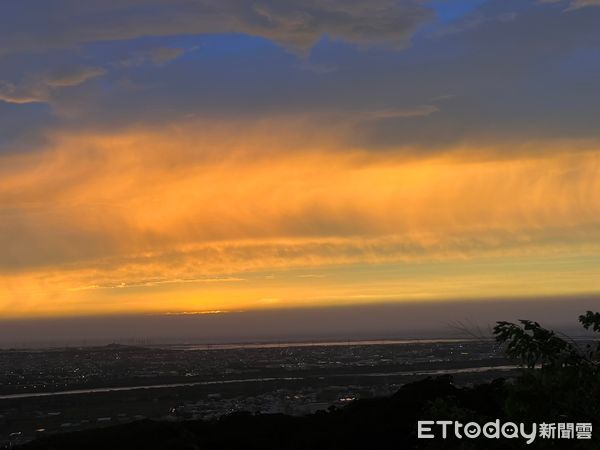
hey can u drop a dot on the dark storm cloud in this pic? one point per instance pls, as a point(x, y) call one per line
point(38, 38)
point(499, 71)
point(531, 77)
point(33, 25)
point(524, 72)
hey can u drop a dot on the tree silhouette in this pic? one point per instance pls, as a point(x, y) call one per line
point(535, 345)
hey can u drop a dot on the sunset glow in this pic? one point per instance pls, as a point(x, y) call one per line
point(168, 177)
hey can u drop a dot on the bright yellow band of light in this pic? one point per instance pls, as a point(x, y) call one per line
point(188, 219)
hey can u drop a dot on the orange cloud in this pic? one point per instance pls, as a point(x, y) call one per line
point(167, 211)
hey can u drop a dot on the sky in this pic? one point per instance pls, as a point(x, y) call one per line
point(179, 157)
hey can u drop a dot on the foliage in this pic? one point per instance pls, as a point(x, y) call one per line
point(533, 344)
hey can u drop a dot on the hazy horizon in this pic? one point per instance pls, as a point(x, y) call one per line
point(441, 319)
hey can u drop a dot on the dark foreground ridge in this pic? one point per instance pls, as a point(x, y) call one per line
point(382, 423)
